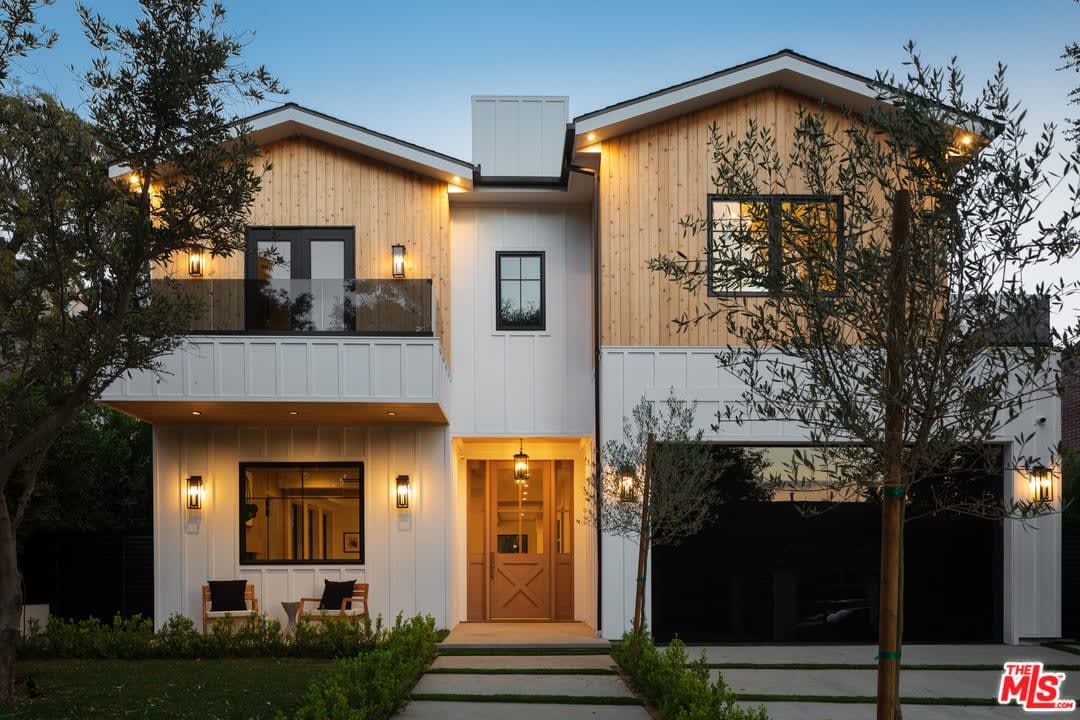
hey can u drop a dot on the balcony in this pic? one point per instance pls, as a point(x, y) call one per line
point(297, 351)
point(402, 308)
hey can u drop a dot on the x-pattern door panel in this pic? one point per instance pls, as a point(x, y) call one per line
point(520, 538)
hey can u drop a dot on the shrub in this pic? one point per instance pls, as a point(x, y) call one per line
point(257, 636)
point(375, 684)
point(678, 689)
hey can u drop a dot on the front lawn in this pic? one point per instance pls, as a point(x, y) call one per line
point(234, 689)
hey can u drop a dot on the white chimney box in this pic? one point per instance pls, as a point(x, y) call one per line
point(519, 136)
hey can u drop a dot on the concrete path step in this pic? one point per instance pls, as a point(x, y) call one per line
point(524, 662)
point(422, 710)
point(568, 685)
point(837, 711)
point(981, 684)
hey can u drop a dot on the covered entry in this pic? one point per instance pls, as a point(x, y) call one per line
point(520, 540)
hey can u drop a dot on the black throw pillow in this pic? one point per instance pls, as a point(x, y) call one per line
point(227, 595)
point(334, 592)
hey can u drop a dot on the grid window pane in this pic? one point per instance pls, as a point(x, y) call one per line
point(520, 292)
point(510, 267)
point(530, 268)
point(791, 239)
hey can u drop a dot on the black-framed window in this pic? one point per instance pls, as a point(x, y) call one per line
point(794, 238)
point(519, 291)
point(296, 513)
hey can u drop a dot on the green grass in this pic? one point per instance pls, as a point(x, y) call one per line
point(235, 689)
point(529, 699)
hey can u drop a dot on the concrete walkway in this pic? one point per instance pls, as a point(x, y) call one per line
point(560, 677)
point(520, 694)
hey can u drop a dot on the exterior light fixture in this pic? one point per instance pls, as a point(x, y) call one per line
point(521, 465)
point(196, 491)
point(196, 262)
point(626, 485)
point(397, 255)
point(1042, 484)
point(966, 140)
point(402, 492)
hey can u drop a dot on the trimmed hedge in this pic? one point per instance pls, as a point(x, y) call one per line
point(375, 684)
point(677, 689)
point(258, 636)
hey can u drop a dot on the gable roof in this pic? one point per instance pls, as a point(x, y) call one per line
point(290, 120)
point(787, 69)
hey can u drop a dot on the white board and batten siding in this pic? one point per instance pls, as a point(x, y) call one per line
point(522, 383)
point(279, 368)
point(519, 136)
point(405, 555)
point(1032, 572)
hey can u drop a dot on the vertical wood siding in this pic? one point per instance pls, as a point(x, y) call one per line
point(312, 184)
point(650, 179)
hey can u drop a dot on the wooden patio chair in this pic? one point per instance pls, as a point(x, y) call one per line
point(236, 617)
point(355, 607)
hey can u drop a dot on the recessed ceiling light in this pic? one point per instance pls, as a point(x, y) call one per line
point(196, 412)
point(455, 180)
point(591, 137)
point(965, 140)
point(294, 412)
point(391, 413)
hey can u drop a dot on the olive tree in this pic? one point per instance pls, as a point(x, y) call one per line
point(891, 319)
point(76, 247)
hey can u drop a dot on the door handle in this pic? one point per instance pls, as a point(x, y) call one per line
point(492, 569)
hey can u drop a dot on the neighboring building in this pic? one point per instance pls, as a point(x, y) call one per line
point(321, 389)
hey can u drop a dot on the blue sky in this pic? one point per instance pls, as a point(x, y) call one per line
point(409, 69)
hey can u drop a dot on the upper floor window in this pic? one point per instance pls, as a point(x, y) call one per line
point(789, 237)
point(519, 291)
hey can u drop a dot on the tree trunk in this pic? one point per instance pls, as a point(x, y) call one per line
point(643, 541)
point(10, 604)
point(892, 501)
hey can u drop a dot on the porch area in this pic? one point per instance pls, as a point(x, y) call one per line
point(523, 634)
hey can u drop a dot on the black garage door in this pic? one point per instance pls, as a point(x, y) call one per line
point(766, 572)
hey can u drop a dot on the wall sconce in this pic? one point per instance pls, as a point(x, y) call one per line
point(1042, 484)
point(626, 485)
point(398, 260)
point(402, 492)
point(521, 465)
point(196, 262)
point(196, 491)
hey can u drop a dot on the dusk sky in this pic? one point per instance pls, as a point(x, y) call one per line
point(409, 69)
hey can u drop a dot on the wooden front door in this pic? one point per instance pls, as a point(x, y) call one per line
point(521, 530)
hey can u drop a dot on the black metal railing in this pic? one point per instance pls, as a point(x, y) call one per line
point(353, 307)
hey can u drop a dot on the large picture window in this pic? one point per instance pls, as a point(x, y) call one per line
point(796, 238)
point(301, 513)
point(519, 291)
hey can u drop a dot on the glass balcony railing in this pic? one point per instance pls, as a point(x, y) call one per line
point(352, 307)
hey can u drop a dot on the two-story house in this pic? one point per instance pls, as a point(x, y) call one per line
point(408, 331)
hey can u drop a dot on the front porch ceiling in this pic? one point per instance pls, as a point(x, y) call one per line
point(210, 412)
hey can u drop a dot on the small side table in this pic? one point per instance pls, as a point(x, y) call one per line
point(291, 608)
